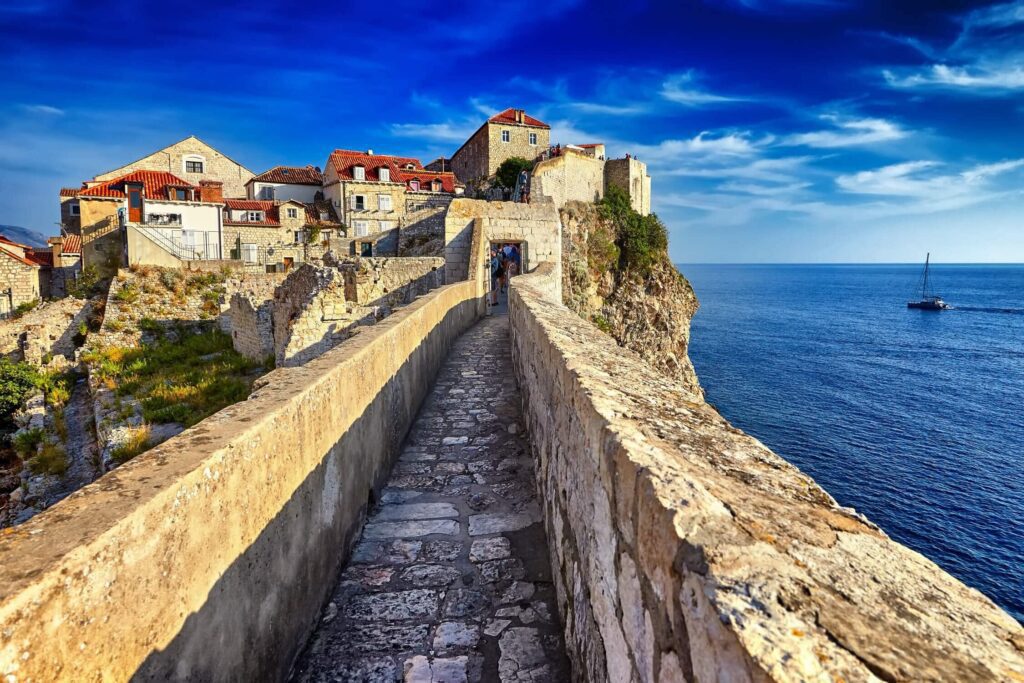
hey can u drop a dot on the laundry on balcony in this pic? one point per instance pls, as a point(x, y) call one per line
point(168, 219)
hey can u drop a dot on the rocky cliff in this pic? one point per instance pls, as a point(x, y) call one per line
point(645, 309)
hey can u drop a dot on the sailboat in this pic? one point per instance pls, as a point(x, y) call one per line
point(928, 301)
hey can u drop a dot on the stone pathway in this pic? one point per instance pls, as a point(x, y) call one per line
point(451, 580)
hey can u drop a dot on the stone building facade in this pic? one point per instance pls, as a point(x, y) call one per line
point(573, 175)
point(631, 175)
point(374, 193)
point(273, 235)
point(512, 133)
point(66, 262)
point(192, 160)
point(22, 276)
point(70, 217)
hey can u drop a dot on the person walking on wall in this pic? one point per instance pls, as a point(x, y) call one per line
point(497, 274)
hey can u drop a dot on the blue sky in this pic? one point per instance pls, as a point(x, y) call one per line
point(775, 131)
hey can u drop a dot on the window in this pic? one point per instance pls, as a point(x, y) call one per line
point(292, 213)
point(75, 209)
point(324, 215)
point(386, 225)
point(358, 202)
point(179, 194)
point(533, 138)
point(384, 202)
point(414, 185)
point(361, 228)
point(325, 235)
point(266, 192)
point(193, 166)
point(300, 236)
point(436, 186)
point(254, 216)
point(384, 174)
point(359, 173)
point(505, 136)
point(249, 252)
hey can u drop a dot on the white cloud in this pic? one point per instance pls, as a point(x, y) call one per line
point(680, 88)
point(920, 179)
point(43, 109)
point(434, 132)
point(849, 133)
point(987, 57)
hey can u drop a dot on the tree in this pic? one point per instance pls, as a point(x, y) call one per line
point(17, 380)
point(509, 170)
point(642, 240)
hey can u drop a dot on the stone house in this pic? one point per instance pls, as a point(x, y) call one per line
point(66, 262)
point(149, 217)
point(70, 215)
point(286, 182)
point(512, 133)
point(24, 275)
point(191, 160)
point(273, 235)
point(374, 193)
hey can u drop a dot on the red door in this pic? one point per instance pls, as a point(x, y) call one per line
point(134, 203)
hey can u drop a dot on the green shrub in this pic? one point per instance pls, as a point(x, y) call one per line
point(24, 308)
point(51, 460)
point(509, 170)
point(128, 294)
point(87, 284)
point(17, 380)
point(27, 442)
point(137, 441)
point(151, 326)
point(170, 279)
point(602, 323)
point(642, 240)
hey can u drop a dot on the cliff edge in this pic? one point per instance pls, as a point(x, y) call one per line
point(616, 273)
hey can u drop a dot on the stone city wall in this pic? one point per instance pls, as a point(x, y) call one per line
point(210, 556)
point(537, 226)
point(571, 176)
point(631, 175)
point(48, 330)
point(316, 308)
point(684, 550)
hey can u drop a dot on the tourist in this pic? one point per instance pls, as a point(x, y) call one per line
point(497, 275)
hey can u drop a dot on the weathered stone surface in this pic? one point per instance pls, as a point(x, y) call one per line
point(468, 579)
point(500, 522)
point(686, 550)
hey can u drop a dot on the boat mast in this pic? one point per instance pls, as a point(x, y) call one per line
point(924, 287)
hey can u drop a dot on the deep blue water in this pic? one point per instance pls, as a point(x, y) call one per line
point(915, 418)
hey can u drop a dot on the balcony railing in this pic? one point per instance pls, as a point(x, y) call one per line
point(168, 220)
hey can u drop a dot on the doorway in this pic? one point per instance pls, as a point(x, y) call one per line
point(507, 259)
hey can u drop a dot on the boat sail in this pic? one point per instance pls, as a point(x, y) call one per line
point(929, 301)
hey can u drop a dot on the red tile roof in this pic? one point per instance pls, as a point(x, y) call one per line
point(447, 178)
point(294, 175)
point(249, 204)
point(343, 160)
point(155, 184)
point(69, 191)
point(268, 207)
point(42, 258)
point(4, 240)
point(72, 244)
point(16, 257)
point(509, 116)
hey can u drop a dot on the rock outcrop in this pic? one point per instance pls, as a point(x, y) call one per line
point(646, 312)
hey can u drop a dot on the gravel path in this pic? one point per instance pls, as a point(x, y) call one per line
point(451, 579)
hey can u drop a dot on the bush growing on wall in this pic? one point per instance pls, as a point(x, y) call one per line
point(642, 240)
point(509, 170)
point(17, 380)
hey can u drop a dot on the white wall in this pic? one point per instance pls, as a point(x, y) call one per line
point(285, 191)
point(203, 218)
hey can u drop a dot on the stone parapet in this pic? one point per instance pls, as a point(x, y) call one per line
point(684, 550)
point(209, 557)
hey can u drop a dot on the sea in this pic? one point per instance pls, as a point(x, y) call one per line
point(914, 418)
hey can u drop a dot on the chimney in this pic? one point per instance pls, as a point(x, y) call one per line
point(519, 115)
point(369, 152)
point(211, 191)
point(56, 248)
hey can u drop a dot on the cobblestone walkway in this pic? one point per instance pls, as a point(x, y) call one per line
point(451, 579)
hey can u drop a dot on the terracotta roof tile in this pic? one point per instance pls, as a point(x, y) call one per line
point(509, 116)
point(447, 178)
point(271, 217)
point(155, 184)
point(72, 244)
point(16, 257)
point(69, 191)
point(42, 258)
point(295, 175)
point(4, 240)
point(343, 161)
point(314, 210)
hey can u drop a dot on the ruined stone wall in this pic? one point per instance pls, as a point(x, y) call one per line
point(23, 279)
point(573, 176)
point(44, 332)
point(684, 550)
point(210, 556)
point(536, 225)
point(249, 318)
point(317, 308)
